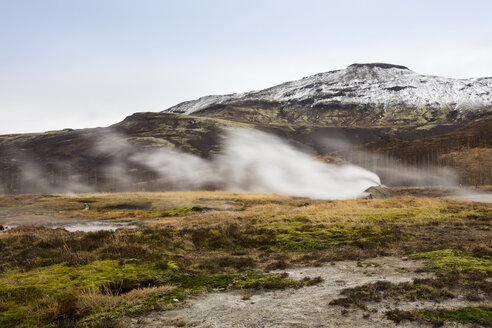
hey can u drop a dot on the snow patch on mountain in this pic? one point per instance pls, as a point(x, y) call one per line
point(375, 85)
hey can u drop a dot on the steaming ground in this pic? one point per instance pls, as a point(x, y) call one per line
point(250, 161)
point(473, 196)
point(254, 161)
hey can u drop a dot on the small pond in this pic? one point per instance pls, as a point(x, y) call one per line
point(82, 226)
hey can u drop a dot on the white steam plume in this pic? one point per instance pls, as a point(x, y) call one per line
point(259, 162)
point(254, 161)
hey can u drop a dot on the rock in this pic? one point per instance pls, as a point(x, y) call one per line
point(378, 192)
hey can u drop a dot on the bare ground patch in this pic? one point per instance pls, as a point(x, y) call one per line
point(305, 307)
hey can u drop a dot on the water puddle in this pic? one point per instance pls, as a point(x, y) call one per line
point(91, 226)
point(474, 196)
point(83, 226)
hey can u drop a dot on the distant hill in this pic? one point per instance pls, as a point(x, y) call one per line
point(387, 109)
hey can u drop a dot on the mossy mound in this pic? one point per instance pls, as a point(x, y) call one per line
point(449, 259)
point(481, 315)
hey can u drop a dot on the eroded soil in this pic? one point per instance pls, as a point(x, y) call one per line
point(305, 307)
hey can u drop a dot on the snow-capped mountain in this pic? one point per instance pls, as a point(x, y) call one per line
point(378, 86)
point(415, 119)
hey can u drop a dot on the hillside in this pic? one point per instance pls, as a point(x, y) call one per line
point(410, 119)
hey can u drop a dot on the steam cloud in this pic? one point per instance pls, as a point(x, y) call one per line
point(39, 179)
point(391, 171)
point(250, 161)
point(253, 161)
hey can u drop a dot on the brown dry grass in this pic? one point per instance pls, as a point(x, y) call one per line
point(92, 299)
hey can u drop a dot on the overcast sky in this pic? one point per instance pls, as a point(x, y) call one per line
point(88, 63)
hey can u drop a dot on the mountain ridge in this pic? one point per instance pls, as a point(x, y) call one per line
point(375, 93)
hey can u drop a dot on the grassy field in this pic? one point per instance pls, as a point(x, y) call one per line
point(186, 243)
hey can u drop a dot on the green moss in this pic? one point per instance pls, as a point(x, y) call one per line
point(272, 281)
point(449, 259)
point(249, 280)
point(172, 265)
point(28, 291)
point(478, 315)
point(295, 235)
point(15, 316)
point(395, 214)
point(128, 274)
point(153, 213)
point(185, 210)
point(298, 236)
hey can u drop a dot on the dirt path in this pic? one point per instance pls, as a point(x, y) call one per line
point(305, 307)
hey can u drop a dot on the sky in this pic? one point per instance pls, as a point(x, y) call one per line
point(90, 63)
